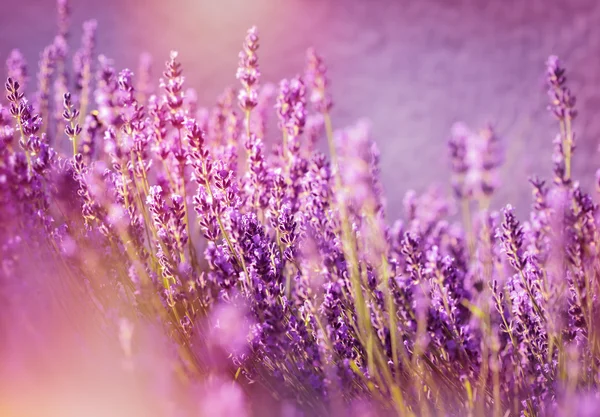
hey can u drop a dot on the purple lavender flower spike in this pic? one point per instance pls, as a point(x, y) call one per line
point(316, 75)
point(172, 83)
point(17, 67)
point(248, 72)
point(64, 16)
point(562, 106)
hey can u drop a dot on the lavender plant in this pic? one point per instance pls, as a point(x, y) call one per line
point(269, 270)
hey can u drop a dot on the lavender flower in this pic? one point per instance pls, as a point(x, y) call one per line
point(82, 61)
point(248, 72)
point(46, 70)
point(475, 160)
point(71, 115)
point(173, 85)
point(316, 74)
point(301, 295)
point(17, 67)
point(64, 15)
point(562, 103)
point(105, 93)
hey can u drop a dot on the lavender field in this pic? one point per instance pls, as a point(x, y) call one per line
point(260, 251)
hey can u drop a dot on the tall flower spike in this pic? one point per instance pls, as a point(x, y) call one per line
point(562, 101)
point(491, 160)
point(82, 64)
point(316, 75)
point(46, 69)
point(290, 106)
point(173, 83)
point(562, 106)
point(248, 72)
point(475, 159)
point(71, 115)
point(356, 169)
point(64, 15)
point(17, 67)
point(28, 123)
point(61, 81)
point(106, 91)
point(512, 239)
point(457, 146)
point(132, 115)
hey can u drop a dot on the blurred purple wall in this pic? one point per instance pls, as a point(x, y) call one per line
point(412, 67)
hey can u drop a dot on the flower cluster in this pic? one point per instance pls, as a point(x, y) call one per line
point(272, 275)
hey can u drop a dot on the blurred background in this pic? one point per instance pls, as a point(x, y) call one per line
point(411, 67)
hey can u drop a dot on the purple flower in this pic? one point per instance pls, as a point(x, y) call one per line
point(316, 75)
point(562, 103)
point(172, 83)
point(300, 289)
point(248, 72)
point(17, 67)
